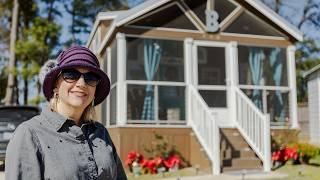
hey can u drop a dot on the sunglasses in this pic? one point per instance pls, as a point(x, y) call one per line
point(72, 75)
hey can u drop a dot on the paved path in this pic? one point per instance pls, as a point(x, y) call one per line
point(234, 176)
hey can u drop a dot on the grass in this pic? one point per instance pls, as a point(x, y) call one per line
point(180, 173)
point(295, 172)
point(302, 171)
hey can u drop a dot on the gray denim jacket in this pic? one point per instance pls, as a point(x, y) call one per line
point(50, 146)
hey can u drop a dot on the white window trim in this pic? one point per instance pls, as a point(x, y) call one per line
point(142, 36)
point(108, 70)
point(212, 87)
point(164, 29)
point(121, 74)
point(253, 36)
point(149, 126)
point(158, 83)
point(270, 88)
point(292, 84)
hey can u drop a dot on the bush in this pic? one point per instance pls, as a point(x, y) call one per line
point(306, 151)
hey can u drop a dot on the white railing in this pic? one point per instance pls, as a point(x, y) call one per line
point(254, 126)
point(204, 126)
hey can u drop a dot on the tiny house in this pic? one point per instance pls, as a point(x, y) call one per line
point(213, 76)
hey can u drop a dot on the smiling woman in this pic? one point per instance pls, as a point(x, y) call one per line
point(64, 142)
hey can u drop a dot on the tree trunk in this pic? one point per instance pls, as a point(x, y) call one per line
point(13, 35)
point(25, 97)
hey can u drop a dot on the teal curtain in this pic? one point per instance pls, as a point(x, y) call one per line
point(256, 57)
point(152, 55)
point(276, 64)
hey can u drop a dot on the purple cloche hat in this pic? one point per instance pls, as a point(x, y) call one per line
point(77, 57)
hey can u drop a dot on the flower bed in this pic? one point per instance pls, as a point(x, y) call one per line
point(161, 158)
point(294, 152)
point(139, 165)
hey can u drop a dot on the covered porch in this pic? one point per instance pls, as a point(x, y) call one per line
point(150, 78)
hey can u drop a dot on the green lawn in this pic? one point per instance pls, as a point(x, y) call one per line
point(295, 172)
point(179, 173)
point(300, 172)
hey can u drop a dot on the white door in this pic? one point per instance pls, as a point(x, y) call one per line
point(211, 77)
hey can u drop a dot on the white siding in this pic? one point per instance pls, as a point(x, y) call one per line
point(314, 109)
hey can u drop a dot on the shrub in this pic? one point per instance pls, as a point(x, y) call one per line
point(307, 151)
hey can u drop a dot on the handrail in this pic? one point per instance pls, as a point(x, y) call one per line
point(254, 127)
point(204, 126)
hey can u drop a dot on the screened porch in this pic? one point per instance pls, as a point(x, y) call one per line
point(149, 78)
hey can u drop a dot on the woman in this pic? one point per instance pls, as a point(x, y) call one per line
point(63, 142)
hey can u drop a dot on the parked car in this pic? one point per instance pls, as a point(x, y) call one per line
point(10, 118)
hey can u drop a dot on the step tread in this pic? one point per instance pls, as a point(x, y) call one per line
point(236, 153)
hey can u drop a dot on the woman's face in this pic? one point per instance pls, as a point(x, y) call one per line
point(77, 94)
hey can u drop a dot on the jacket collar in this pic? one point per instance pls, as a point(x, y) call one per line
point(57, 120)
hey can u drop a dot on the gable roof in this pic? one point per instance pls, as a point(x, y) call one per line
point(123, 17)
point(311, 71)
point(277, 19)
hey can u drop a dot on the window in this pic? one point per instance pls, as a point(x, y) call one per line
point(263, 77)
point(171, 103)
point(168, 63)
point(170, 17)
point(276, 104)
point(211, 66)
point(150, 60)
point(142, 104)
point(223, 8)
point(262, 66)
point(247, 23)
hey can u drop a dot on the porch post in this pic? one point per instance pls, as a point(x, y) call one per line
point(292, 85)
point(233, 79)
point(188, 73)
point(267, 144)
point(108, 70)
point(121, 86)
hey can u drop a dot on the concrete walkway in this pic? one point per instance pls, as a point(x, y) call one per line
point(235, 176)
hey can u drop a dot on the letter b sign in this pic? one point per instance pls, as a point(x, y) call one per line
point(212, 21)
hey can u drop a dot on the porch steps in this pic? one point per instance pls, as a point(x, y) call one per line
point(236, 154)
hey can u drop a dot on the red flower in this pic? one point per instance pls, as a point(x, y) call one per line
point(133, 156)
point(151, 165)
point(276, 156)
point(158, 161)
point(285, 154)
point(172, 161)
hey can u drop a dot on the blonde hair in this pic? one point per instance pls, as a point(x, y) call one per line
point(89, 112)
